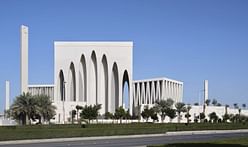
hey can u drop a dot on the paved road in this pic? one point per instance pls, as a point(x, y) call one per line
point(134, 141)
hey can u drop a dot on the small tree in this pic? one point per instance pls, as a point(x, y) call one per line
point(187, 115)
point(196, 104)
point(226, 117)
point(120, 113)
point(171, 113)
point(153, 114)
point(163, 106)
point(90, 112)
point(78, 108)
point(146, 113)
point(214, 102)
point(180, 107)
point(207, 102)
point(235, 105)
point(244, 106)
point(108, 115)
point(202, 117)
point(213, 117)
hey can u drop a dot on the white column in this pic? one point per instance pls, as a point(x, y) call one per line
point(205, 90)
point(7, 95)
point(24, 59)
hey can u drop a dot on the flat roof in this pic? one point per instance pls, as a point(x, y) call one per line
point(94, 43)
point(42, 85)
point(157, 79)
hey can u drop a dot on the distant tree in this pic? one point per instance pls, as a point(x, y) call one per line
point(207, 102)
point(146, 113)
point(180, 107)
point(196, 104)
point(202, 117)
point(226, 117)
point(163, 106)
point(108, 115)
point(244, 106)
point(171, 113)
point(218, 104)
point(90, 112)
point(235, 105)
point(120, 113)
point(213, 117)
point(187, 115)
point(78, 108)
point(154, 114)
point(214, 102)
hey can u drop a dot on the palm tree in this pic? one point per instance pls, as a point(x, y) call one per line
point(163, 106)
point(23, 108)
point(180, 107)
point(44, 107)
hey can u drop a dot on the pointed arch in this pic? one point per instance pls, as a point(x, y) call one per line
point(72, 83)
point(61, 85)
point(104, 83)
point(82, 80)
point(114, 88)
point(93, 78)
point(126, 84)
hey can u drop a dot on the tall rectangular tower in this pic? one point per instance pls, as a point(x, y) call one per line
point(205, 90)
point(24, 59)
point(7, 95)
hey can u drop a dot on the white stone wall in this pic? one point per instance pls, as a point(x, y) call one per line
point(93, 73)
point(146, 92)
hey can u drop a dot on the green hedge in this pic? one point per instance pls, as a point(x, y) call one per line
point(59, 131)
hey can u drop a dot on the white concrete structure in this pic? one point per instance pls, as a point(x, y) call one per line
point(42, 89)
point(147, 92)
point(24, 59)
point(150, 90)
point(88, 73)
point(7, 95)
point(205, 90)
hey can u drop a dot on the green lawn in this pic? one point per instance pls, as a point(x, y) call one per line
point(59, 131)
point(231, 142)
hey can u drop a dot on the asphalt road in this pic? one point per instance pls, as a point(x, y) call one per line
point(139, 141)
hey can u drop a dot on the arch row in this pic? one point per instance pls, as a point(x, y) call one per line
point(94, 80)
point(148, 92)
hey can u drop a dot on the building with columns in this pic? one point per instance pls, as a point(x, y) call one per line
point(89, 73)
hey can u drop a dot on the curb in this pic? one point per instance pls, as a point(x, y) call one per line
point(122, 137)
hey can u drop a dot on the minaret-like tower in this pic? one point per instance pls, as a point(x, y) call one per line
point(7, 95)
point(24, 59)
point(205, 90)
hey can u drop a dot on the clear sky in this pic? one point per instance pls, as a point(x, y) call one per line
point(184, 40)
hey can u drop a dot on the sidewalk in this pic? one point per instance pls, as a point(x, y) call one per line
point(122, 136)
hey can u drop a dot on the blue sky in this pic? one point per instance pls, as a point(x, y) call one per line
point(185, 40)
